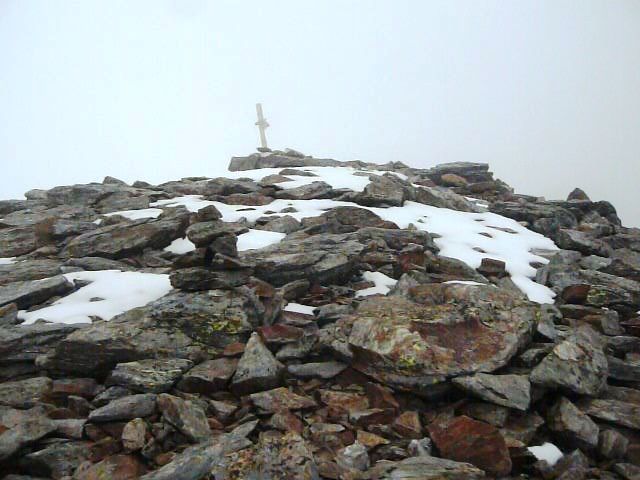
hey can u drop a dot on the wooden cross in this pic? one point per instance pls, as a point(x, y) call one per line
point(262, 126)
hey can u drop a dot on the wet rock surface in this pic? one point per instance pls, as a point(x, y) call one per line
point(328, 342)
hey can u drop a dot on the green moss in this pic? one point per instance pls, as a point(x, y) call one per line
point(597, 296)
point(231, 326)
point(406, 362)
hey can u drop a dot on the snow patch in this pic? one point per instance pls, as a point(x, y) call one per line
point(466, 236)
point(255, 239)
point(547, 452)
point(382, 284)
point(180, 246)
point(7, 260)
point(110, 293)
point(137, 214)
point(465, 282)
point(299, 308)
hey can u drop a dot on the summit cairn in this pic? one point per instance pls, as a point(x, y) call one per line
point(308, 318)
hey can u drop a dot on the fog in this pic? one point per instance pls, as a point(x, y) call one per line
point(546, 92)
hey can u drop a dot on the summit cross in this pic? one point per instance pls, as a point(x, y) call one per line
point(262, 126)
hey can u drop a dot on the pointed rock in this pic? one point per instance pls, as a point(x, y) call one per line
point(257, 370)
point(185, 416)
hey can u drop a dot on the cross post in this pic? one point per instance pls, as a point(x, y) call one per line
point(262, 126)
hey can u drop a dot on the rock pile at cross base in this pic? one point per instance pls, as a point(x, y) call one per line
point(452, 374)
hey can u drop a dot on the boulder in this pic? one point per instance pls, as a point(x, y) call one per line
point(257, 370)
point(34, 292)
point(581, 242)
point(577, 194)
point(200, 278)
point(612, 444)
point(149, 376)
point(17, 241)
point(285, 224)
point(512, 391)
point(25, 393)
point(29, 270)
point(22, 428)
point(21, 344)
point(306, 192)
point(353, 457)
point(186, 416)
point(116, 467)
point(280, 399)
point(275, 455)
point(573, 428)
point(415, 344)
point(198, 461)
point(277, 160)
point(124, 239)
point(324, 370)
point(203, 233)
point(615, 411)
point(466, 440)
point(576, 364)
point(179, 325)
point(134, 435)
point(349, 219)
point(209, 376)
point(323, 258)
point(125, 408)
point(57, 460)
point(425, 467)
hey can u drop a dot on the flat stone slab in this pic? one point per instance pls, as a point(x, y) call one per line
point(446, 331)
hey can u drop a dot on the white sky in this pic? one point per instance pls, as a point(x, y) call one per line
point(546, 91)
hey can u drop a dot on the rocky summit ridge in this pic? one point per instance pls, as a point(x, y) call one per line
point(305, 318)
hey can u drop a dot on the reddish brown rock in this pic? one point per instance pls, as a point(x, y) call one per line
point(209, 376)
point(79, 387)
point(117, 467)
point(233, 349)
point(104, 448)
point(466, 440)
point(448, 330)
point(408, 425)
point(287, 422)
point(370, 440)
point(371, 416)
point(575, 294)
point(380, 396)
point(280, 399)
point(341, 403)
point(247, 199)
point(280, 334)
